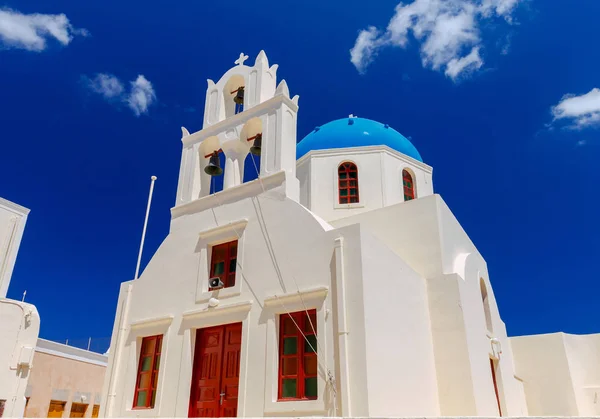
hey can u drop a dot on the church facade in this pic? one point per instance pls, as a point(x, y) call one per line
point(333, 283)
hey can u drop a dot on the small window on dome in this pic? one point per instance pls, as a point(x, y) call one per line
point(348, 183)
point(409, 186)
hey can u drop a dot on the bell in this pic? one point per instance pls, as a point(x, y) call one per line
point(255, 149)
point(214, 165)
point(239, 96)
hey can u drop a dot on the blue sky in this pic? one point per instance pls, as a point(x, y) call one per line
point(497, 95)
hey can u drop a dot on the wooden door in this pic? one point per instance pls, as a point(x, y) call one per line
point(56, 409)
point(215, 378)
point(230, 375)
point(77, 410)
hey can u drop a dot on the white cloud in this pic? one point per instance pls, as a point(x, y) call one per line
point(471, 62)
point(582, 111)
point(107, 85)
point(31, 32)
point(139, 98)
point(448, 32)
point(502, 8)
point(365, 47)
point(141, 95)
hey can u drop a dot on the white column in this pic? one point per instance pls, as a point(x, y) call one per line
point(229, 173)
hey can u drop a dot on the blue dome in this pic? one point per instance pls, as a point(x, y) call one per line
point(355, 132)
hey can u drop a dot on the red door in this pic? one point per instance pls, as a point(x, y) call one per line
point(216, 374)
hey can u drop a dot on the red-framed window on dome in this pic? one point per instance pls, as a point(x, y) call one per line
point(298, 356)
point(409, 186)
point(348, 183)
point(147, 378)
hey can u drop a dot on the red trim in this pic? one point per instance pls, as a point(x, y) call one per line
point(409, 185)
point(210, 154)
point(347, 183)
point(253, 138)
point(152, 383)
point(225, 253)
point(303, 352)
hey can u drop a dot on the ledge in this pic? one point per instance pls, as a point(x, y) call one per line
point(309, 294)
point(153, 321)
point(70, 352)
point(216, 231)
point(362, 150)
point(235, 193)
point(16, 208)
point(237, 119)
point(219, 310)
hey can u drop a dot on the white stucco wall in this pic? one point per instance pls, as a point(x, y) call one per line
point(379, 179)
point(171, 297)
point(561, 373)
point(19, 322)
point(19, 329)
point(425, 234)
point(400, 362)
point(12, 224)
point(583, 354)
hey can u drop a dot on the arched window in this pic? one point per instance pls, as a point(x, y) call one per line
point(409, 186)
point(348, 183)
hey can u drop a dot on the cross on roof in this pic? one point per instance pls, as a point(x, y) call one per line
point(240, 61)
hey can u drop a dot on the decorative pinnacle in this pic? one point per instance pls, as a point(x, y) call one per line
point(153, 178)
point(240, 61)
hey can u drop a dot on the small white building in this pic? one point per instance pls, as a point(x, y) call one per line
point(335, 284)
point(19, 322)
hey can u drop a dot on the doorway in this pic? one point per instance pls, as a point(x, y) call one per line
point(216, 373)
point(493, 368)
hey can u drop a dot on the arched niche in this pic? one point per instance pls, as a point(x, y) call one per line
point(229, 91)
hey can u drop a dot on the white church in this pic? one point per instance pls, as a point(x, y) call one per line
point(336, 283)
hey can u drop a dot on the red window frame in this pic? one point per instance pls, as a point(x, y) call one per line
point(409, 186)
point(151, 348)
point(298, 362)
point(225, 253)
point(348, 183)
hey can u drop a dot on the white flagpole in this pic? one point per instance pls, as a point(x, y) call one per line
point(139, 261)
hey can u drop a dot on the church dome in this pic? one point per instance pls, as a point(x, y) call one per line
point(355, 132)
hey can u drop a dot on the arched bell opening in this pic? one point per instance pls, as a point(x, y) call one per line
point(217, 177)
point(252, 135)
point(251, 167)
point(233, 95)
point(212, 166)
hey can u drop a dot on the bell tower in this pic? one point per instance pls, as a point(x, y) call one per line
point(248, 119)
